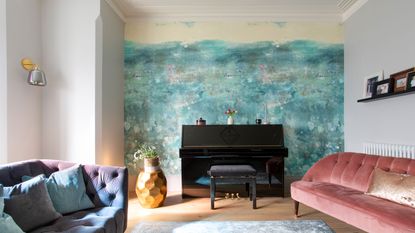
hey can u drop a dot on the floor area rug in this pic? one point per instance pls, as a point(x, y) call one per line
point(288, 226)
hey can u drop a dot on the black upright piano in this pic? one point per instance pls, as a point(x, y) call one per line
point(261, 146)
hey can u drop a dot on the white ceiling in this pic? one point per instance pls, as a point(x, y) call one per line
point(332, 10)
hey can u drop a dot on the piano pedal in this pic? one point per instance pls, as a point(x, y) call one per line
point(232, 196)
point(237, 196)
point(226, 195)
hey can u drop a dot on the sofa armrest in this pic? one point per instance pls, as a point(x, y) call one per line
point(107, 186)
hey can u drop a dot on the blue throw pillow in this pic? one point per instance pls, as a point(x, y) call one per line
point(29, 204)
point(67, 190)
point(26, 178)
point(8, 225)
point(1, 200)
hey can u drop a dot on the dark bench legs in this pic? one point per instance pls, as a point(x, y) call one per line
point(252, 191)
point(212, 192)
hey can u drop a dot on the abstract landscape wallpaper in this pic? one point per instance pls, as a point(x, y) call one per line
point(287, 73)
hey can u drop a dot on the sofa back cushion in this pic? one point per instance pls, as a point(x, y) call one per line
point(107, 185)
point(355, 170)
point(11, 174)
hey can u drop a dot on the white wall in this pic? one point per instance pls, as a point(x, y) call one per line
point(84, 103)
point(24, 105)
point(79, 115)
point(3, 88)
point(110, 87)
point(68, 30)
point(379, 36)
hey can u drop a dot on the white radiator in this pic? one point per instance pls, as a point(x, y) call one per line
point(393, 150)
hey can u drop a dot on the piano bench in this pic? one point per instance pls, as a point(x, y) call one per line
point(235, 173)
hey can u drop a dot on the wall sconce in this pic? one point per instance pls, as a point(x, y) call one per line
point(36, 77)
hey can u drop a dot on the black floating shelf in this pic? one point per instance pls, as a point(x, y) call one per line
point(389, 95)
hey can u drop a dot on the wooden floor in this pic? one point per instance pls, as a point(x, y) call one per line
point(196, 209)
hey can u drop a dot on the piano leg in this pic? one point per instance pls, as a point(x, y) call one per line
point(275, 167)
point(282, 166)
point(254, 193)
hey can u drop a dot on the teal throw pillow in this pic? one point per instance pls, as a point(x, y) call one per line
point(67, 190)
point(26, 178)
point(29, 204)
point(8, 225)
point(1, 200)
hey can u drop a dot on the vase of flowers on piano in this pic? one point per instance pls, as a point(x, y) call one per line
point(230, 113)
point(151, 187)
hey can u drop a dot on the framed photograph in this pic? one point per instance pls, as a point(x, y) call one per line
point(400, 84)
point(369, 84)
point(383, 87)
point(411, 81)
point(400, 79)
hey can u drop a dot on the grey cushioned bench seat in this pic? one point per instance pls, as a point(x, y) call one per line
point(239, 173)
point(232, 170)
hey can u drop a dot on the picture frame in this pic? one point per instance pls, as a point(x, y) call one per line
point(400, 84)
point(411, 81)
point(383, 87)
point(400, 79)
point(369, 84)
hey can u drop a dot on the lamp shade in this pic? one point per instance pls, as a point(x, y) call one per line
point(36, 77)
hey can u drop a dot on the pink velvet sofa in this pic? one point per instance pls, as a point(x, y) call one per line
point(336, 185)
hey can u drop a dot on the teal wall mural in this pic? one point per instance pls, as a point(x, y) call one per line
point(299, 83)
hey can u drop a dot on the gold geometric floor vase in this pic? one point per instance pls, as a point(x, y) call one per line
point(151, 188)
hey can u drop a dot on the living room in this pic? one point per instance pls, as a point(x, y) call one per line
point(108, 83)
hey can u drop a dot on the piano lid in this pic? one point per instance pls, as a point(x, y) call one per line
point(197, 136)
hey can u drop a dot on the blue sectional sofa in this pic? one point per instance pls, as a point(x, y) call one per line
point(106, 187)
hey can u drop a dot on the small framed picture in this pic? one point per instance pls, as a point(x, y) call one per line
point(400, 79)
point(384, 87)
point(369, 84)
point(411, 81)
point(400, 84)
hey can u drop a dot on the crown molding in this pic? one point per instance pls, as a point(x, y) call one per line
point(353, 9)
point(237, 17)
point(117, 10)
point(235, 10)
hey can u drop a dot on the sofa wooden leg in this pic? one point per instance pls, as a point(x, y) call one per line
point(296, 204)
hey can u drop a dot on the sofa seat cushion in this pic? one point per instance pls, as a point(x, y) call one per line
point(354, 206)
point(97, 220)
